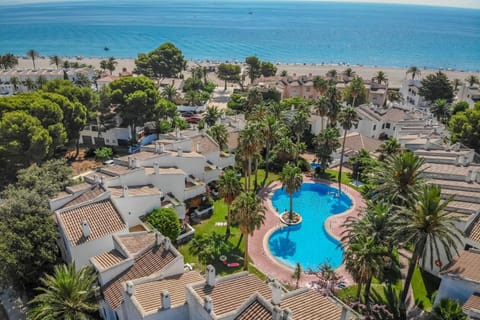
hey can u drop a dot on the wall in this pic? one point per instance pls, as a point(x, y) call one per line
point(456, 288)
point(112, 272)
point(132, 207)
point(195, 307)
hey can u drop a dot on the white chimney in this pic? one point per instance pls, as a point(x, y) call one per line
point(96, 178)
point(477, 177)
point(461, 159)
point(130, 162)
point(199, 147)
point(156, 168)
point(179, 151)
point(427, 144)
point(157, 147)
point(468, 178)
point(208, 304)
point(277, 313)
point(167, 243)
point(166, 299)
point(125, 191)
point(135, 163)
point(457, 160)
point(162, 148)
point(130, 288)
point(177, 132)
point(287, 314)
point(210, 275)
point(276, 292)
point(158, 238)
point(86, 229)
point(102, 181)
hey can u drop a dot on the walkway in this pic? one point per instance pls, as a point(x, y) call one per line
point(258, 243)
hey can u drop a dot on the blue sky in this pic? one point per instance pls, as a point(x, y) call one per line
point(447, 3)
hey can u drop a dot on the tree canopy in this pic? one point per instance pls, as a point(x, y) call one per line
point(436, 86)
point(465, 128)
point(165, 220)
point(228, 72)
point(165, 61)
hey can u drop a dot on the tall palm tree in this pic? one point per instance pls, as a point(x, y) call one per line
point(320, 85)
point(249, 213)
point(322, 106)
point(56, 60)
point(381, 77)
point(297, 274)
point(14, 81)
point(32, 54)
point(249, 145)
point(348, 118)
point(291, 177)
point(472, 80)
point(332, 74)
point(219, 133)
point(299, 124)
point(271, 130)
point(8, 61)
point(254, 97)
point(354, 90)
point(334, 96)
point(229, 187)
point(325, 144)
point(104, 65)
point(212, 115)
point(398, 178)
point(111, 63)
point(388, 148)
point(430, 229)
point(170, 93)
point(456, 83)
point(67, 294)
point(414, 71)
point(440, 109)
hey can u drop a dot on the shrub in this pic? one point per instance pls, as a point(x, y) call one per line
point(209, 247)
point(165, 220)
point(103, 153)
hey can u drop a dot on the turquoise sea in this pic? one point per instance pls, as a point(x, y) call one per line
point(277, 31)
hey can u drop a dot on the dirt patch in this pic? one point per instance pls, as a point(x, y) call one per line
point(81, 164)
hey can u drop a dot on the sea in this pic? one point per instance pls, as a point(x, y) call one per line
point(229, 30)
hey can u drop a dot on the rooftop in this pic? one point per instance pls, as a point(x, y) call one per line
point(472, 303)
point(255, 311)
point(133, 243)
point(145, 190)
point(91, 194)
point(108, 259)
point(311, 305)
point(356, 141)
point(465, 266)
point(102, 217)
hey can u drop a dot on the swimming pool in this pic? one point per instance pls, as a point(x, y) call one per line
point(308, 243)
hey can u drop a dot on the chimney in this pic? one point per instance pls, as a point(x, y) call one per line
point(158, 238)
point(86, 229)
point(177, 132)
point(276, 292)
point(277, 313)
point(477, 177)
point(156, 168)
point(427, 144)
point(199, 147)
point(179, 152)
point(125, 191)
point(287, 314)
point(457, 160)
point(157, 147)
point(208, 304)
point(167, 243)
point(96, 179)
point(130, 288)
point(210, 276)
point(102, 181)
point(165, 300)
point(135, 163)
point(130, 162)
point(162, 148)
point(461, 160)
point(468, 178)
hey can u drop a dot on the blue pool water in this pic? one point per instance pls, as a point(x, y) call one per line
point(309, 243)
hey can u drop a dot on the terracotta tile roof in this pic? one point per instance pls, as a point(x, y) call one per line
point(473, 231)
point(473, 302)
point(356, 141)
point(311, 305)
point(152, 261)
point(149, 294)
point(465, 266)
point(102, 217)
point(207, 145)
point(145, 190)
point(230, 293)
point(91, 194)
point(136, 242)
point(116, 169)
point(255, 311)
point(108, 259)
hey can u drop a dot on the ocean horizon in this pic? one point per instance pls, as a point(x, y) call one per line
point(278, 31)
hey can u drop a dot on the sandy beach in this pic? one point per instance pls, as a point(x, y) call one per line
point(395, 75)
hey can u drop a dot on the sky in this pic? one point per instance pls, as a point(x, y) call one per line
point(475, 4)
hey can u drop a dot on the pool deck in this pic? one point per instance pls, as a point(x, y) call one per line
point(258, 243)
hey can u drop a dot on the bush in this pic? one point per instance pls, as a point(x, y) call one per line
point(303, 164)
point(103, 153)
point(166, 221)
point(209, 247)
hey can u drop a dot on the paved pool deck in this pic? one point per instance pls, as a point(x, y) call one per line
point(258, 243)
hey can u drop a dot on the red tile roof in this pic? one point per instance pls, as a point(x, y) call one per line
point(91, 194)
point(311, 305)
point(473, 302)
point(466, 266)
point(108, 259)
point(136, 242)
point(255, 311)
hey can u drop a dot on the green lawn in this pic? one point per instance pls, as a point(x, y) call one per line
point(272, 176)
point(424, 285)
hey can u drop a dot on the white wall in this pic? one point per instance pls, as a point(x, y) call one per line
point(132, 207)
point(456, 288)
point(112, 272)
point(195, 307)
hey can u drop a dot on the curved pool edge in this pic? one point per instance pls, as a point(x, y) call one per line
point(261, 256)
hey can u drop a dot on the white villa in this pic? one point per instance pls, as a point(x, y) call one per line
point(409, 91)
point(469, 94)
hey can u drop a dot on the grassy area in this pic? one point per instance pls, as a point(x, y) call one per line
point(424, 285)
point(272, 176)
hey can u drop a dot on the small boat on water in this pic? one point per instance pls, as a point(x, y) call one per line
point(106, 48)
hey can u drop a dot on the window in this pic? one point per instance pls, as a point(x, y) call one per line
point(374, 127)
point(388, 125)
point(383, 125)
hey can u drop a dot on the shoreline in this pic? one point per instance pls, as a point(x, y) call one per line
point(395, 75)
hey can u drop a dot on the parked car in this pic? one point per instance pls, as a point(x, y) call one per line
point(194, 119)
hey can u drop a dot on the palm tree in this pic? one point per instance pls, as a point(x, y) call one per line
point(291, 177)
point(254, 97)
point(333, 95)
point(249, 145)
point(447, 309)
point(170, 93)
point(354, 90)
point(325, 144)
point(320, 84)
point(67, 294)
point(322, 106)
point(348, 73)
point(56, 60)
point(415, 71)
point(440, 109)
point(332, 74)
point(271, 130)
point(104, 65)
point(14, 81)
point(8, 61)
point(212, 115)
point(299, 124)
point(297, 274)
point(456, 83)
point(398, 178)
point(30, 84)
point(219, 133)
point(111, 63)
point(472, 80)
point(229, 187)
point(430, 229)
point(348, 118)
point(32, 54)
point(388, 148)
point(381, 77)
point(249, 213)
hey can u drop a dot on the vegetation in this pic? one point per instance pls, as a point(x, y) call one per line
point(32, 54)
point(292, 179)
point(228, 72)
point(465, 127)
point(414, 71)
point(103, 153)
point(208, 247)
point(448, 309)
point(229, 188)
point(355, 93)
point(436, 86)
point(326, 144)
point(67, 294)
point(8, 61)
point(165, 220)
point(163, 62)
point(348, 118)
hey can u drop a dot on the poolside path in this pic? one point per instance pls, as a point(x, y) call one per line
point(258, 247)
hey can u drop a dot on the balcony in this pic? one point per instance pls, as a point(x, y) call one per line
point(226, 160)
point(193, 187)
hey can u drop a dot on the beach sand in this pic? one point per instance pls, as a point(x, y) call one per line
point(395, 75)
